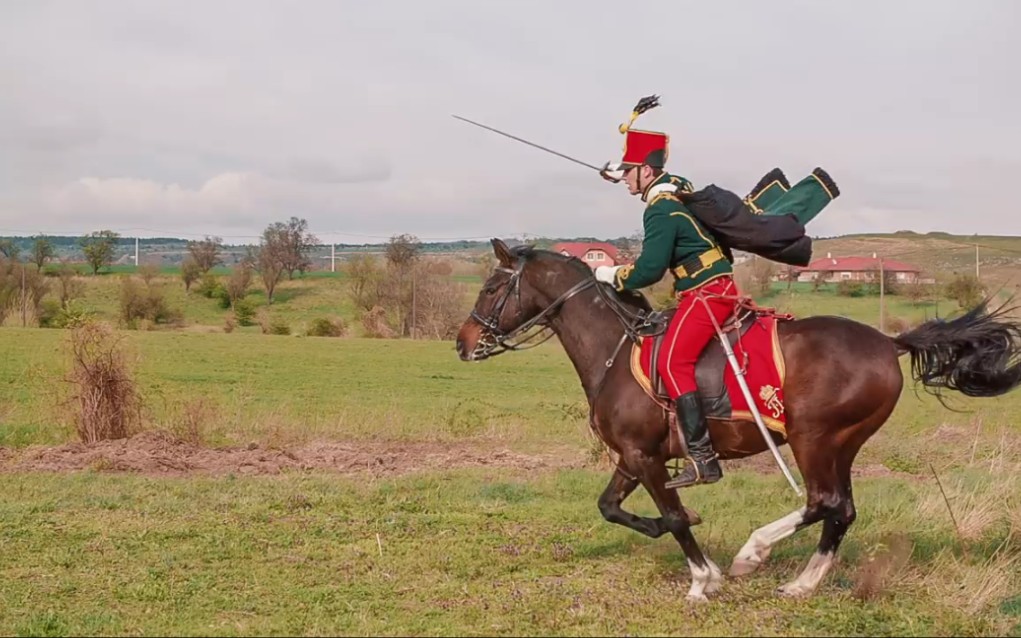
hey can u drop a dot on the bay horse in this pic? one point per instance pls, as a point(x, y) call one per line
point(842, 382)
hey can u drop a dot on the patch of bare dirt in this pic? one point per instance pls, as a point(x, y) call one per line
point(159, 453)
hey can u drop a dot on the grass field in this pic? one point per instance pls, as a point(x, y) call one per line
point(486, 544)
point(461, 553)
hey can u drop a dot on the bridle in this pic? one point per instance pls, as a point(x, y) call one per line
point(494, 341)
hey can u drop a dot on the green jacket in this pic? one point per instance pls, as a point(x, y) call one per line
point(673, 237)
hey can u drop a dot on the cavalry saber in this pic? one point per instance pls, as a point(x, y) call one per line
point(739, 373)
point(543, 148)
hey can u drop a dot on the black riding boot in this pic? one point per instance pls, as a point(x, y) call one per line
point(703, 463)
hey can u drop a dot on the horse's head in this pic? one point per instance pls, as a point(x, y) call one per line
point(526, 290)
point(522, 293)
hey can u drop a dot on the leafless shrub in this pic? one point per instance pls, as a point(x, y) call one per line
point(105, 400)
point(375, 323)
point(144, 301)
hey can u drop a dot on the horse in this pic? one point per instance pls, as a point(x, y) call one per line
point(843, 380)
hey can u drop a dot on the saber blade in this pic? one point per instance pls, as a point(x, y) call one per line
point(542, 148)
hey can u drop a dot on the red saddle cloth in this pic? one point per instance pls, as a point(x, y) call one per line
point(757, 351)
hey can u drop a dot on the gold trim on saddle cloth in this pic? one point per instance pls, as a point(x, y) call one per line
point(738, 415)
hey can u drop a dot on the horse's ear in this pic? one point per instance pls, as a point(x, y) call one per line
point(503, 253)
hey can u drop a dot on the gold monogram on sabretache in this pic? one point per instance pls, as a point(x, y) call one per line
point(769, 395)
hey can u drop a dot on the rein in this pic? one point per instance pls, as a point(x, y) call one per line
point(494, 341)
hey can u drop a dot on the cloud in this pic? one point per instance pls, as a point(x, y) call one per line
point(322, 171)
point(229, 194)
point(182, 118)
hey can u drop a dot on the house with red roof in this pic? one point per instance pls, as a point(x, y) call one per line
point(595, 253)
point(832, 269)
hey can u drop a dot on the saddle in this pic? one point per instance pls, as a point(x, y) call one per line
point(752, 334)
point(709, 367)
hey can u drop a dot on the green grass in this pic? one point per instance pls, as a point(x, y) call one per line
point(462, 551)
point(306, 387)
point(454, 553)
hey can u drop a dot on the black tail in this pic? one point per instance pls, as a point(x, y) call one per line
point(978, 354)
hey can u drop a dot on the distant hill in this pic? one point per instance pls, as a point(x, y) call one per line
point(937, 254)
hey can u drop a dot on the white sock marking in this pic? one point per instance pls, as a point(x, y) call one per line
point(760, 543)
point(704, 580)
point(817, 568)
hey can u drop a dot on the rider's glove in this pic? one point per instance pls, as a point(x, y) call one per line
point(607, 274)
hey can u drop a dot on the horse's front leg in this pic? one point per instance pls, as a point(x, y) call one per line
point(621, 486)
point(706, 576)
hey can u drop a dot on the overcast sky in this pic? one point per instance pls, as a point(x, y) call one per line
point(190, 117)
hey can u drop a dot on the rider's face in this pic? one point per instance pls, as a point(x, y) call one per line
point(637, 174)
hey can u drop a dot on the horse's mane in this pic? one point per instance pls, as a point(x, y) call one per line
point(633, 299)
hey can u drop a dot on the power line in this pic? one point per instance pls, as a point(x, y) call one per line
point(175, 234)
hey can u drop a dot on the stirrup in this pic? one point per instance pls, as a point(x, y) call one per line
point(697, 473)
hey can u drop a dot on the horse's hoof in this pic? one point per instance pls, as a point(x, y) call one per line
point(693, 517)
point(793, 590)
point(714, 585)
point(743, 567)
point(696, 598)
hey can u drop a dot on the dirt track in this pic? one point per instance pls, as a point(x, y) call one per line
point(160, 454)
point(156, 453)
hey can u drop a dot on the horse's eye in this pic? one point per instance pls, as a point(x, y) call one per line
point(489, 290)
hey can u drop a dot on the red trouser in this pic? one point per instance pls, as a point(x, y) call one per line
point(690, 330)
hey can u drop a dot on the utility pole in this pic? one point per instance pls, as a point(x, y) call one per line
point(976, 261)
point(413, 322)
point(882, 300)
point(23, 320)
point(136, 252)
point(333, 257)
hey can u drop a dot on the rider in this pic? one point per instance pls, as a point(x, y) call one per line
point(703, 284)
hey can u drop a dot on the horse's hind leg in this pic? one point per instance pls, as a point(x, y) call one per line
point(836, 508)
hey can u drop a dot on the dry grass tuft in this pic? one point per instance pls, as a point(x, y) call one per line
point(972, 587)
point(105, 401)
point(192, 421)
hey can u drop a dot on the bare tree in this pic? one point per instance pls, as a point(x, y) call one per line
point(762, 274)
point(268, 258)
point(365, 276)
point(298, 243)
point(206, 253)
point(238, 282)
point(21, 289)
point(71, 287)
point(632, 247)
point(402, 253)
point(190, 272)
point(440, 305)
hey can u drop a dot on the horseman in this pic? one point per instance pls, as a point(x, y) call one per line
point(678, 241)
